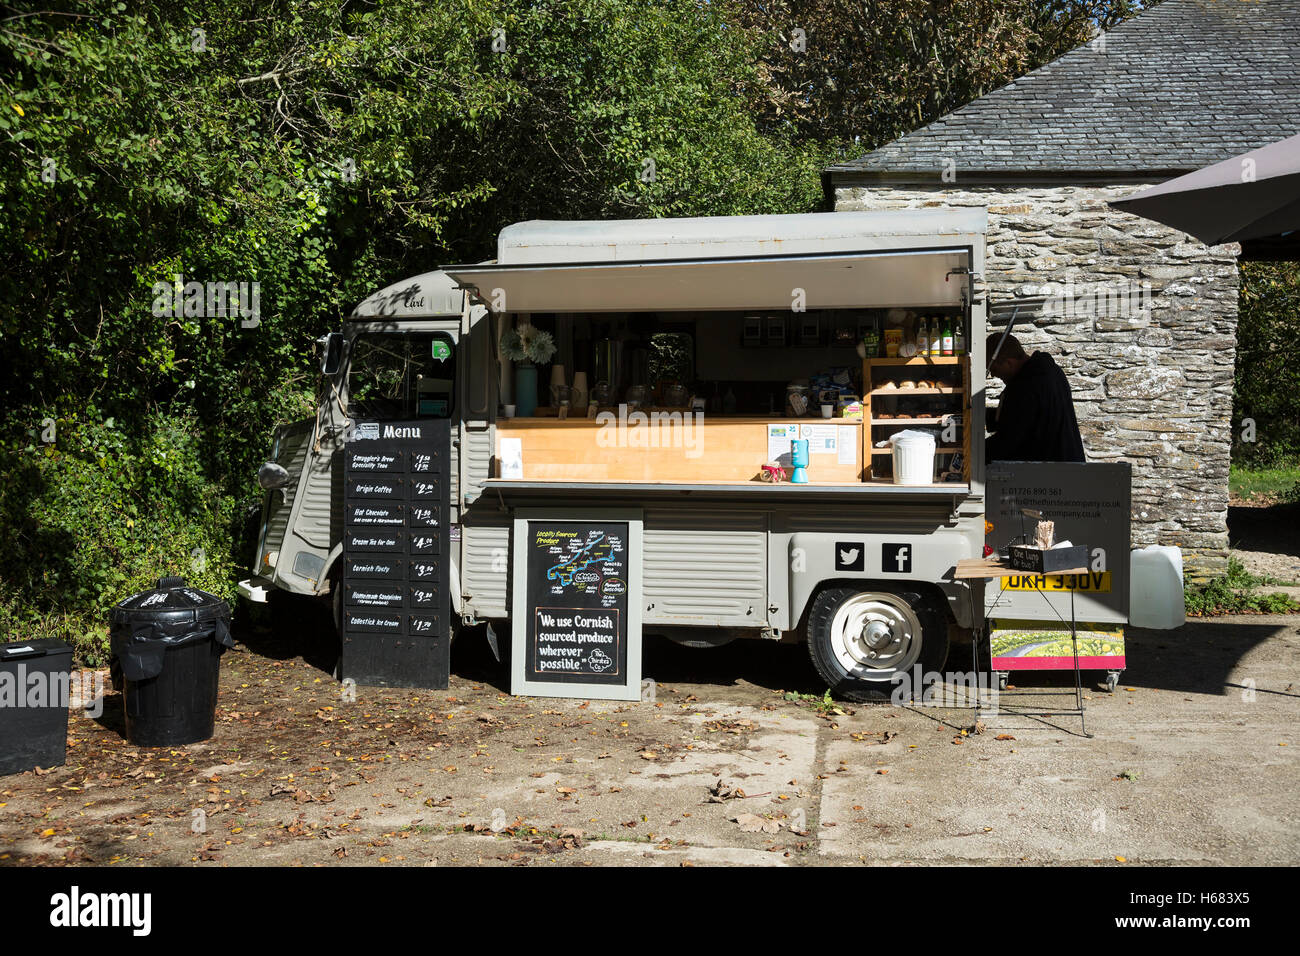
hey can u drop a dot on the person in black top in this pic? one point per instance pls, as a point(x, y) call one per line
point(1035, 417)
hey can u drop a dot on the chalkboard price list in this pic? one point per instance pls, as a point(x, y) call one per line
point(396, 604)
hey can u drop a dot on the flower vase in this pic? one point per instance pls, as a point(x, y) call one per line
point(525, 389)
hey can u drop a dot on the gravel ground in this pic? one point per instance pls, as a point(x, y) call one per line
point(1267, 539)
point(1194, 761)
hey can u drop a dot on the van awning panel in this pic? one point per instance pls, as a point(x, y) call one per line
point(908, 278)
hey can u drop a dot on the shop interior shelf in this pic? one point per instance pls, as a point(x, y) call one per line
point(879, 392)
point(946, 450)
point(878, 422)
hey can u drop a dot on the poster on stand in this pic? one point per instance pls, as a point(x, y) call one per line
point(576, 628)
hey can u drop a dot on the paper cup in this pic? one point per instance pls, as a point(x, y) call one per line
point(510, 411)
point(828, 411)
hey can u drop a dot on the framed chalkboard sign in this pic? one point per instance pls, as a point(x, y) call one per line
point(576, 622)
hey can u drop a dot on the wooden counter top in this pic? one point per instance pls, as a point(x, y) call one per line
point(679, 448)
point(704, 419)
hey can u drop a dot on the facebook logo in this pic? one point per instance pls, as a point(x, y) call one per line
point(896, 558)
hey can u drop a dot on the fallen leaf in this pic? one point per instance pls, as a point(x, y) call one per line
point(721, 792)
point(753, 823)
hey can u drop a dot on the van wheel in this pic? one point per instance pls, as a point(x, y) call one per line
point(858, 640)
point(336, 615)
point(336, 606)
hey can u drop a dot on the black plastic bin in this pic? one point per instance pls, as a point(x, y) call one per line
point(34, 684)
point(168, 644)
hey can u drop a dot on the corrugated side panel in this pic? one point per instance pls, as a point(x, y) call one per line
point(453, 470)
point(292, 456)
point(318, 504)
point(478, 460)
point(485, 564)
point(704, 568)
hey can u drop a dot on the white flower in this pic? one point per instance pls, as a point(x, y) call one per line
point(527, 344)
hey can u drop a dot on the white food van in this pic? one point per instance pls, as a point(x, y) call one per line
point(705, 347)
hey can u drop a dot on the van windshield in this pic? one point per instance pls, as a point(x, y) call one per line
point(401, 375)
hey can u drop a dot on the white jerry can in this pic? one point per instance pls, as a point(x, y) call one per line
point(1156, 588)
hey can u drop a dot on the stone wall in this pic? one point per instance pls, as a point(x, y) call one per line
point(1150, 358)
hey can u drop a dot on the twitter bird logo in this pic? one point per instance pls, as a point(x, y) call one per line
point(848, 556)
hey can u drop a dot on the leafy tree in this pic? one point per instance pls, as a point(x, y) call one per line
point(322, 150)
point(865, 72)
point(1266, 386)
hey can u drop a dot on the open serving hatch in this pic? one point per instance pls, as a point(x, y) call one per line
point(708, 277)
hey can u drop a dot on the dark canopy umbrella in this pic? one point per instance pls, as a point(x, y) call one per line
point(1253, 199)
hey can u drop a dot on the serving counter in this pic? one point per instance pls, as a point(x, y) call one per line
point(675, 446)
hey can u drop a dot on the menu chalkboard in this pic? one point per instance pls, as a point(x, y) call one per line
point(396, 604)
point(577, 592)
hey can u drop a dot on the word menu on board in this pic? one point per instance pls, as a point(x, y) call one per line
point(396, 629)
point(575, 633)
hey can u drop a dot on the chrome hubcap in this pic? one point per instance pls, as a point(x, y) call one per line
point(875, 635)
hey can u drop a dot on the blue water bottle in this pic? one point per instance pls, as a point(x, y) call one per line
point(799, 458)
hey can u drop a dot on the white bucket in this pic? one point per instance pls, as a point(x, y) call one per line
point(1155, 596)
point(913, 457)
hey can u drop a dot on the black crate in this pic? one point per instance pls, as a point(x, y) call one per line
point(1050, 561)
point(34, 687)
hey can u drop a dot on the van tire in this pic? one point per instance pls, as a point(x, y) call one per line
point(858, 664)
point(336, 618)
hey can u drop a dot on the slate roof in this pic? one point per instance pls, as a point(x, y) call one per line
point(1182, 85)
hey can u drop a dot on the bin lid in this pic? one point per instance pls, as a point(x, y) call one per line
point(911, 436)
point(170, 596)
point(40, 647)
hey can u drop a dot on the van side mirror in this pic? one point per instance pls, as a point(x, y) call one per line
point(332, 354)
point(272, 475)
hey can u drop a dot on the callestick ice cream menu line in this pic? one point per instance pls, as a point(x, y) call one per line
point(577, 598)
point(395, 601)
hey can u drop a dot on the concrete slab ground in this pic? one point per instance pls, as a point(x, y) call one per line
point(1194, 761)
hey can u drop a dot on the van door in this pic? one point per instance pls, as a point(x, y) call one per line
point(301, 524)
point(481, 536)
